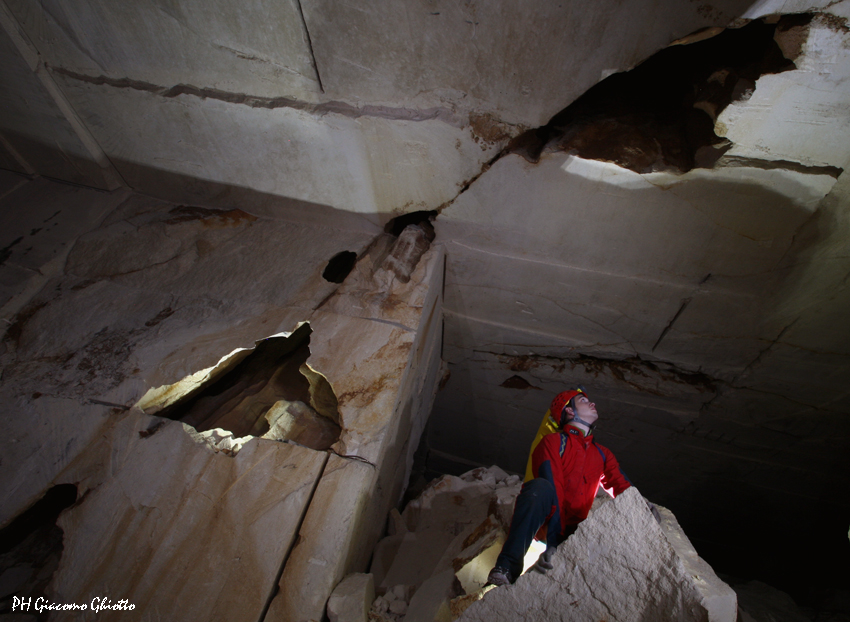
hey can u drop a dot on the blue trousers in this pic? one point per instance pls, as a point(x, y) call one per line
point(535, 502)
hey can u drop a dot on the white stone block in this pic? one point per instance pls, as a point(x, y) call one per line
point(352, 598)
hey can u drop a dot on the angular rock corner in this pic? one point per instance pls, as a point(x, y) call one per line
point(439, 551)
point(620, 565)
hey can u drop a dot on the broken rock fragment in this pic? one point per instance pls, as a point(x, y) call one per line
point(351, 599)
point(443, 546)
point(619, 566)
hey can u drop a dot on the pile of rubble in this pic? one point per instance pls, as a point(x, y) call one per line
point(437, 554)
point(621, 564)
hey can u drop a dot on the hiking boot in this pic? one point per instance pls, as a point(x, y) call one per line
point(499, 577)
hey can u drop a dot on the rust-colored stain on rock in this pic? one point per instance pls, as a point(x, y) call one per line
point(210, 218)
point(518, 382)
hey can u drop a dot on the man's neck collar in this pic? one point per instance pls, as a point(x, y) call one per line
point(585, 429)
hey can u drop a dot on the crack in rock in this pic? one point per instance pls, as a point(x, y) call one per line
point(258, 101)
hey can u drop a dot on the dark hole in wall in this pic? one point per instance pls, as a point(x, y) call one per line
point(266, 394)
point(31, 547)
point(661, 114)
point(518, 382)
point(340, 266)
point(45, 511)
point(421, 218)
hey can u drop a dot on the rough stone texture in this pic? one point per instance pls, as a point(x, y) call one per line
point(351, 599)
point(775, 124)
point(209, 44)
point(154, 299)
point(675, 301)
point(366, 164)
point(618, 566)
point(384, 386)
point(141, 301)
point(424, 82)
point(710, 308)
point(449, 542)
point(176, 528)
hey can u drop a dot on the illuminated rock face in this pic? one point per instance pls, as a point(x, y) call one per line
point(200, 525)
point(621, 566)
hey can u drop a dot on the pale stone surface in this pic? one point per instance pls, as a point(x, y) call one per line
point(352, 598)
point(430, 602)
point(142, 301)
point(334, 527)
point(450, 541)
point(148, 256)
point(595, 291)
point(365, 164)
point(384, 387)
point(420, 85)
point(468, 48)
point(203, 44)
point(619, 565)
point(220, 526)
point(798, 116)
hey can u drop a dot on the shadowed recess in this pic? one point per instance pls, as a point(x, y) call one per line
point(271, 393)
point(339, 266)
point(660, 116)
point(31, 547)
point(421, 218)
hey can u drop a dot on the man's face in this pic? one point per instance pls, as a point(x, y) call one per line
point(584, 409)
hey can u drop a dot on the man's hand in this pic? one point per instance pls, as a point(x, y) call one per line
point(544, 562)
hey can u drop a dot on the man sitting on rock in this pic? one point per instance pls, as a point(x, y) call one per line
point(567, 467)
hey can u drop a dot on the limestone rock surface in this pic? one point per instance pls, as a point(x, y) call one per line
point(618, 566)
point(351, 599)
point(182, 530)
point(444, 546)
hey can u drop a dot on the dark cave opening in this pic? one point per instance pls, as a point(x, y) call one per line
point(660, 116)
point(422, 218)
point(31, 547)
point(271, 393)
point(339, 266)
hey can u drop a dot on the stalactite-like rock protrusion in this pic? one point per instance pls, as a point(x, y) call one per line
point(660, 116)
point(406, 252)
point(415, 234)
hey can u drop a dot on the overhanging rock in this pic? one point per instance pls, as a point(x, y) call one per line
point(620, 566)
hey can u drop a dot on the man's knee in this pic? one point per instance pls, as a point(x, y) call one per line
point(540, 488)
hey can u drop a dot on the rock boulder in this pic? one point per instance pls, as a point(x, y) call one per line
point(619, 566)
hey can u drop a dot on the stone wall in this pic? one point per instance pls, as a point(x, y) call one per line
point(203, 526)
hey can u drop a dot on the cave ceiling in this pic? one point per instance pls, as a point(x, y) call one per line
point(688, 265)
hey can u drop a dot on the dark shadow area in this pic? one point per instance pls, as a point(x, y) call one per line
point(745, 532)
point(269, 393)
point(518, 382)
point(421, 218)
point(661, 114)
point(31, 546)
point(339, 266)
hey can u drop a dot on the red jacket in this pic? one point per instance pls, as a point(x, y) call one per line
point(576, 466)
